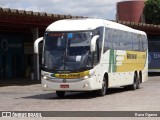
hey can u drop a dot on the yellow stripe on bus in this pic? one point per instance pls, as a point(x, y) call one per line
point(133, 60)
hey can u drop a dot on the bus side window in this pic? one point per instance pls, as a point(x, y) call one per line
point(107, 40)
point(115, 40)
point(96, 53)
point(140, 42)
point(144, 43)
point(125, 40)
point(136, 41)
point(122, 40)
point(99, 31)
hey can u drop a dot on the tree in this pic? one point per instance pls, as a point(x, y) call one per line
point(152, 12)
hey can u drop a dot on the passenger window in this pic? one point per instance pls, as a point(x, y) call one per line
point(115, 40)
point(125, 40)
point(144, 43)
point(121, 40)
point(140, 43)
point(108, 40)
point(99, 31)
point(96, 53)
point(136, 46)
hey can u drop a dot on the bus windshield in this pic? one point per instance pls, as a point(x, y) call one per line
point(67, 50)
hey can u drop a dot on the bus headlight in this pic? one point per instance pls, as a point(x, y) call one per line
point(89, 75)
point(85, 77)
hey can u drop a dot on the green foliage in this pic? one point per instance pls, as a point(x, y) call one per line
point(152, 12)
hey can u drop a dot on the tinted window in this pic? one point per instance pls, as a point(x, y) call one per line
point(111, 39)
point(123, 40)
point(108, 39)
point(136, 43)
point(145, 43)
point(99, 31)
point(128, 37)
point(115, 39)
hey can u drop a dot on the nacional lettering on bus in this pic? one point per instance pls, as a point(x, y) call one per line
point(131, 56)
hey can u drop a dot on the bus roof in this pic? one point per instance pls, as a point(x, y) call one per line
point(88, 24)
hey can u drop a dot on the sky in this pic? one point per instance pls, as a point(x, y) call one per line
point(105, 9)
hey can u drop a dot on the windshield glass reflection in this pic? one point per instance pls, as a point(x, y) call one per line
point(67, 51)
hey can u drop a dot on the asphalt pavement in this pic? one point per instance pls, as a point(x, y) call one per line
point(33, 98)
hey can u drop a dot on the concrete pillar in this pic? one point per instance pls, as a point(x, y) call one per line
point(35, 32)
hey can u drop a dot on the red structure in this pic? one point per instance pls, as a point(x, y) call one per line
point(131, 11)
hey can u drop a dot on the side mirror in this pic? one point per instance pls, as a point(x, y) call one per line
point(93, 43)
point(36, 43)
point(36, 51)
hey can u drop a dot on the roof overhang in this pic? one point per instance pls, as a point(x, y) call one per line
point(148, 28)
point(24, 20)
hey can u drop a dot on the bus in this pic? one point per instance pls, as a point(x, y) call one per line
point(153, 53)
point(92, 55)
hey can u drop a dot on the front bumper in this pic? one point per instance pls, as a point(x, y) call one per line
point(80, 85)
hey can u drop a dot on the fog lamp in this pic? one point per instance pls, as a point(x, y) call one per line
point(45, 77)
point(85, 85)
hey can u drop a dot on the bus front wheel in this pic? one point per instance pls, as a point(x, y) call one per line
point(60, 94)
point(102, 92)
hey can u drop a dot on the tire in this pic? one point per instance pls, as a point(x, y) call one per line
point(60, 94)
point(135, 83)
point(102, 92)
point(138, 83)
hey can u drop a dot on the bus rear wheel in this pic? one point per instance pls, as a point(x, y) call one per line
point(139, 81)
point(136, 83)
point(60, 94)
point(102, 92)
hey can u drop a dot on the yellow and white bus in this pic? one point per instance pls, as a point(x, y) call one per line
point(93, 54)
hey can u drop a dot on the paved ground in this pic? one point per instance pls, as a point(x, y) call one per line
point(33, 98)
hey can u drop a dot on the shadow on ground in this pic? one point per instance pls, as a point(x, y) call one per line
point(75, 95)
point(153, 74)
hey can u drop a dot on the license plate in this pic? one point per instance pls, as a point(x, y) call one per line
point(64, 86)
